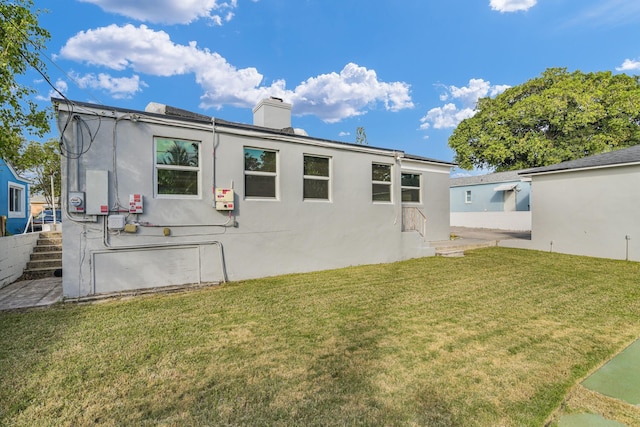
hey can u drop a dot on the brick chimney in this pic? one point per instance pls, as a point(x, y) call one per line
point(272, 113)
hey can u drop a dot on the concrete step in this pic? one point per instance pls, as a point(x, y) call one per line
point(44, 263)
point(46, 258)
point(49, 241)
point(450, 253)
point(41, 256)
point(48, 248)
point(51, 234)
point(457, 249)
point(40, 273)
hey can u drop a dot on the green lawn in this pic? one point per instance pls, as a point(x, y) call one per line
point(499, 337)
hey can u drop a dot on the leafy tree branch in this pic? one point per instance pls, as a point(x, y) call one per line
point(21, 39)
point(552, 118)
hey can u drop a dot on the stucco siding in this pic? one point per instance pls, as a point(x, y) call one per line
point(260, 237)
point(484, 198)
point(436, 204)
point(589, 212)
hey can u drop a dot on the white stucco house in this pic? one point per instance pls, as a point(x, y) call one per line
point(167, 197)
point(589, 206)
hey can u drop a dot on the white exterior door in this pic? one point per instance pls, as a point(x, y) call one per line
point(509, 200)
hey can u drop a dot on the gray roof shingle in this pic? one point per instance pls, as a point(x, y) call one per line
point(618, 157)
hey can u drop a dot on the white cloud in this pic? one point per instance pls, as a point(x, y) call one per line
point(335, 96)
point(170, 11)
point(445, 117)
point(332, 97)
point(629, 65)
point(118, 87)
point(449, 115)
point(609, 13)
point(61, 87)
point(457, 173)
point(344, 133)
point(512, 5)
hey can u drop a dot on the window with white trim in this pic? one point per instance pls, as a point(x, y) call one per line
point(467, 196)
point(177, 168)
point(410, 186)
point(381, 182)
point(260, 173)
point(316, 180)
point(17, 202)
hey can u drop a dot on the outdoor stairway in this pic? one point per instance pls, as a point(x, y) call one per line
point(46, 257)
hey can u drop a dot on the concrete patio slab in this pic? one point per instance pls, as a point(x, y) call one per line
point(31, 293)
point(474, 238)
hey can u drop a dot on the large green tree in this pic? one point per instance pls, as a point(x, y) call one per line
point(39, 163)
point(21, 39)
point(552, 118)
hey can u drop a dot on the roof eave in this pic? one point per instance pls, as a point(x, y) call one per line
point(578, 169)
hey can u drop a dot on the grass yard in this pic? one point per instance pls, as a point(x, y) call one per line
point(497, 338)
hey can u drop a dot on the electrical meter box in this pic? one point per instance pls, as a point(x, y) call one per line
point(76, 202)
point(97, 194)
point(224, 199)
point(135, 203)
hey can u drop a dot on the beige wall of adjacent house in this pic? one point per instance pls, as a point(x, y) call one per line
point(590, 212)
point(38, 203)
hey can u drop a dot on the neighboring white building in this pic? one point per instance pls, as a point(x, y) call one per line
point(169, 197)
point(589, 206)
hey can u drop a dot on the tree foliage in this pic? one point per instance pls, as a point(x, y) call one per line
point(21, 38)
point(181, 154)
point(555, 117)
point(178, 181)
point(39, 162)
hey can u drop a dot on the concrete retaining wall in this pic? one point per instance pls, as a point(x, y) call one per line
point(512, 221)
point(15, 252)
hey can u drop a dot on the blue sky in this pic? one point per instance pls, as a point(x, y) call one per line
point(407, 71)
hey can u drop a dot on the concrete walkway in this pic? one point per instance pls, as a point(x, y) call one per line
point(31, 293)
point(473, 238)
point(489, 234)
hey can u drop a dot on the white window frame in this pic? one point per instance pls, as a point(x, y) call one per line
point(467, 196)
point(411, 187)
point(22, 200)
point(387, 183)
point(275, 174)
point(318, 178)
point(158, 166)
